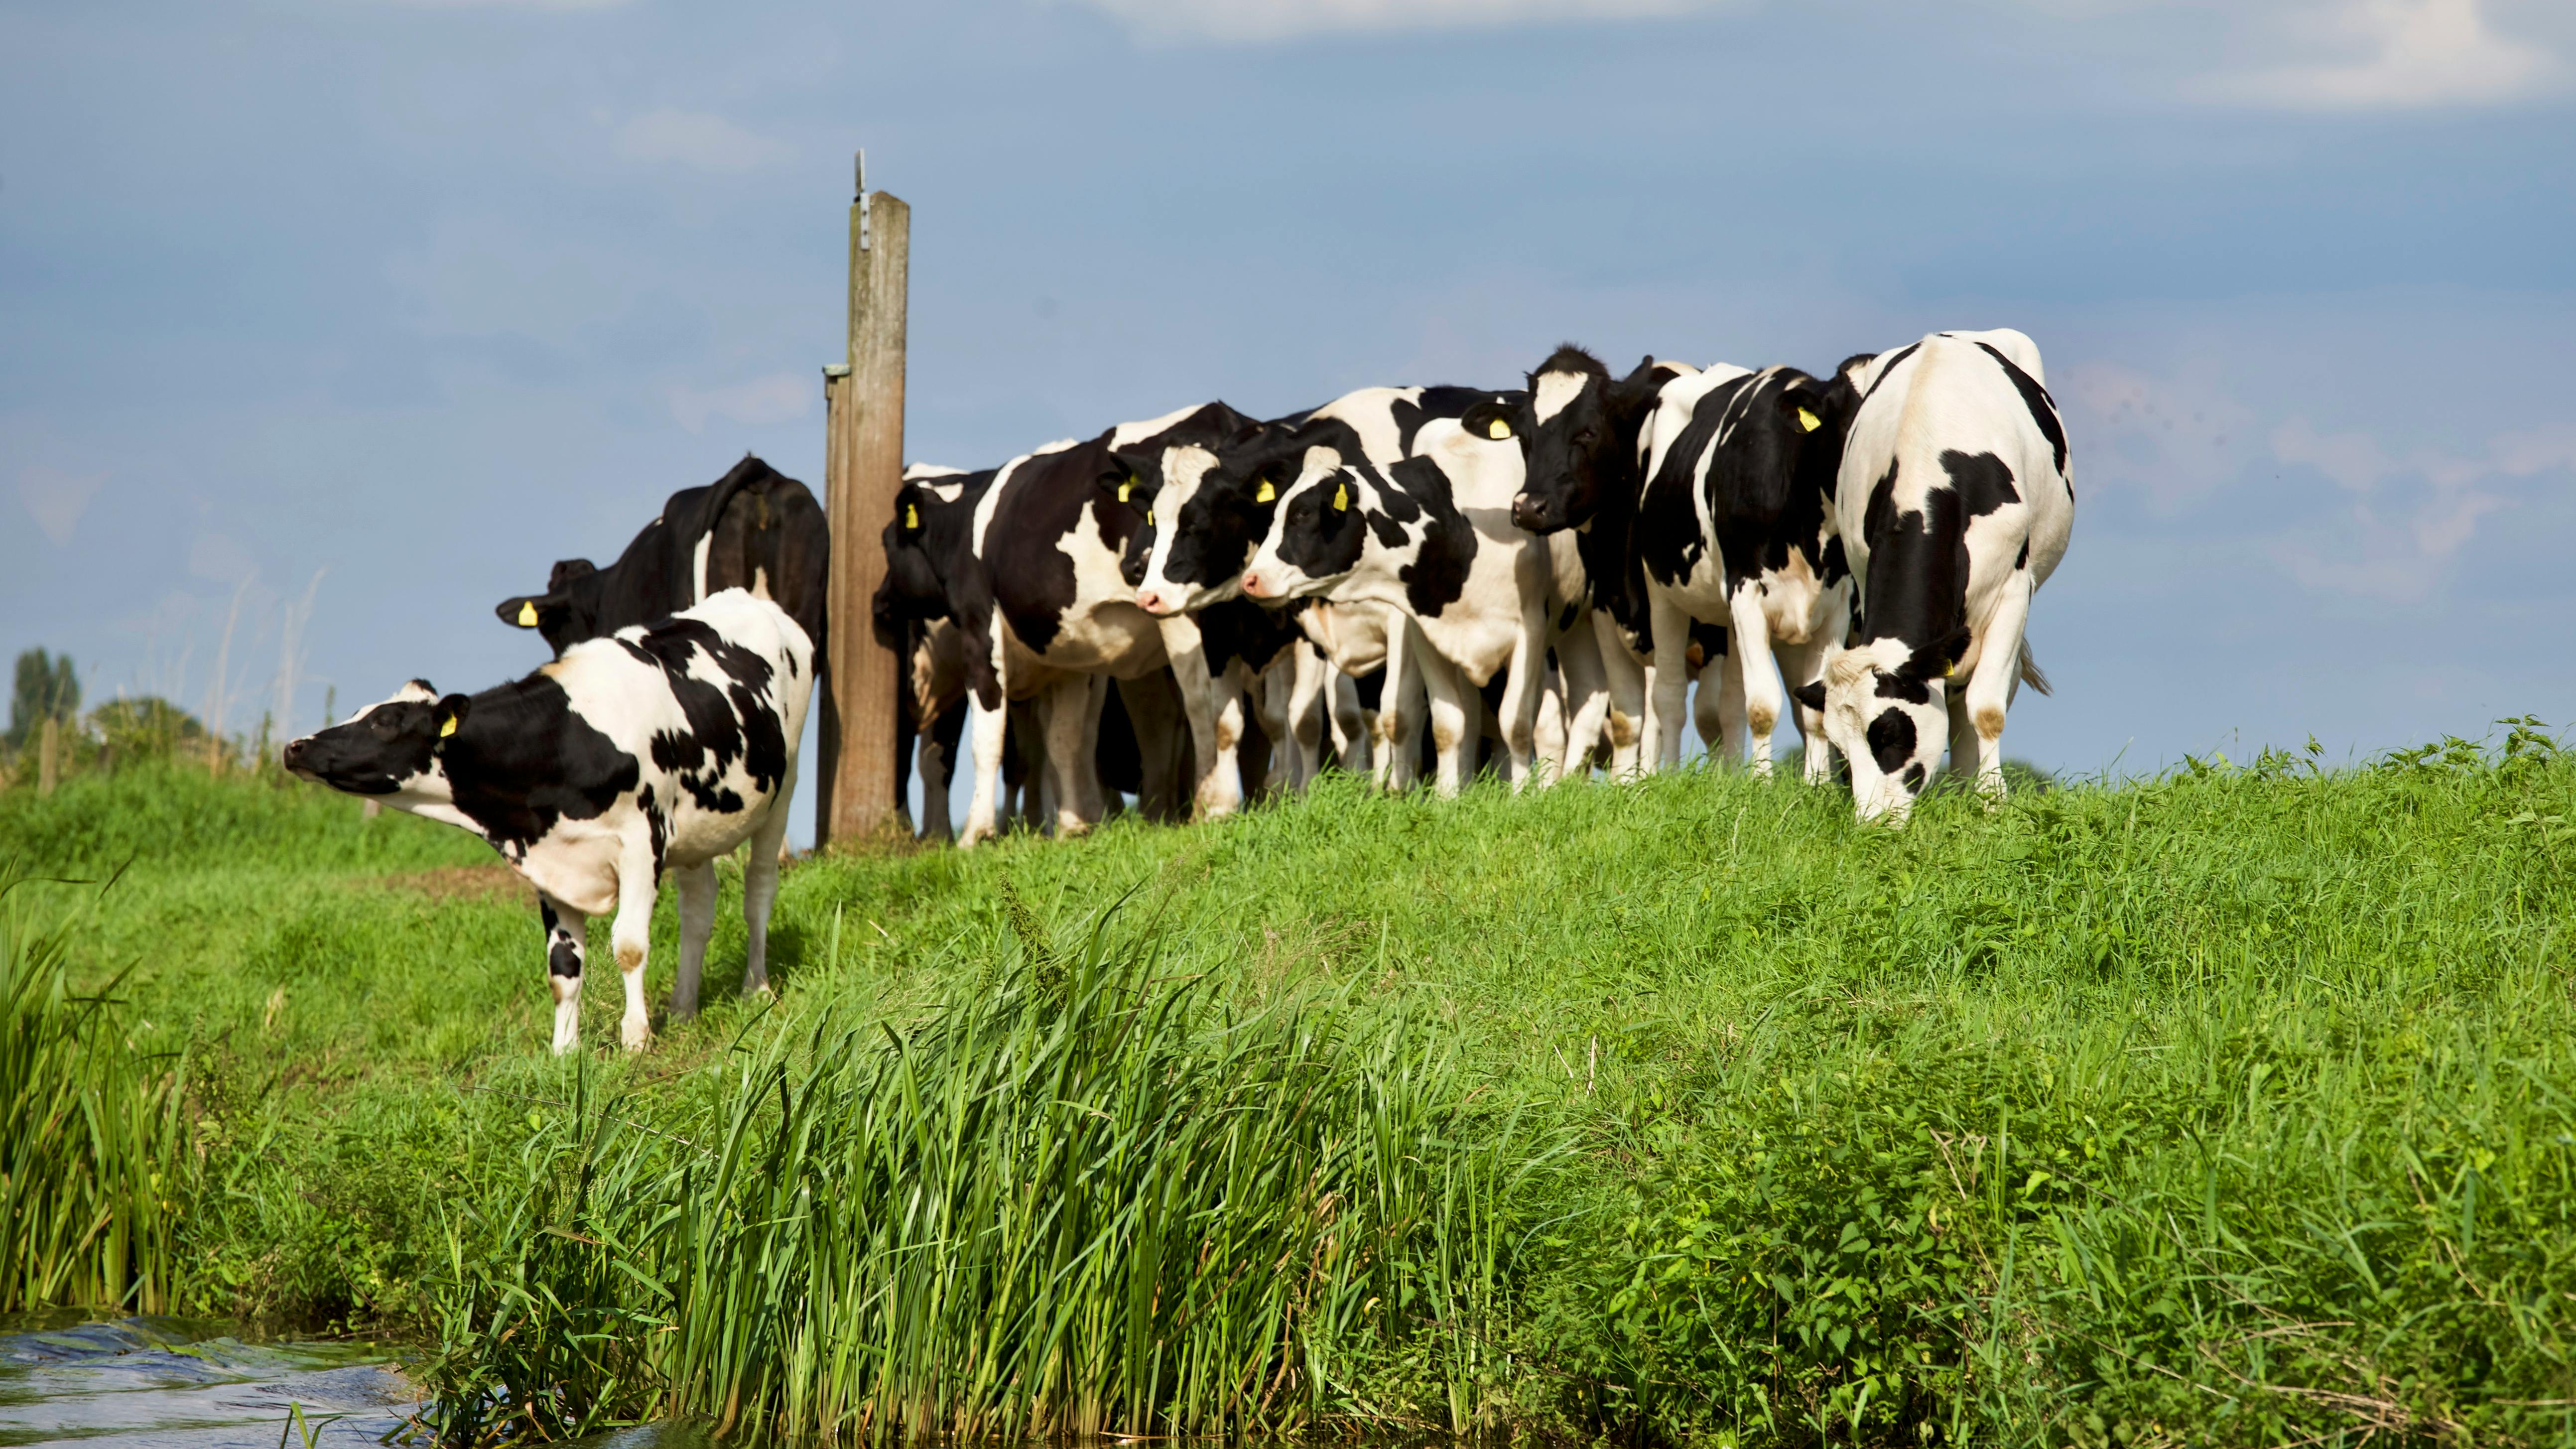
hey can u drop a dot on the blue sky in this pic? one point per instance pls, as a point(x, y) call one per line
point(422, 296)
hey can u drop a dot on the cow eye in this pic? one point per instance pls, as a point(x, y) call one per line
point(1586, 437)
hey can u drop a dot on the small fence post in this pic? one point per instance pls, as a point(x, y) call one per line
point(862, 469)
point(49, 756)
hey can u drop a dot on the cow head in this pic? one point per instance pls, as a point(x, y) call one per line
point(1145, 462)
point(566, 613)
point(1317, 538)
point(1578, 434)
point(1886, 707)
point(1782, 435)
point(393, 748)
point(1214, 505)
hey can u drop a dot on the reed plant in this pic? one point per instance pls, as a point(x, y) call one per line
point(1085, 1195)
point(92, 1136)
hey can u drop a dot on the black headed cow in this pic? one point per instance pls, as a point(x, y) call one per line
point(1955, 504)
point(660, 747)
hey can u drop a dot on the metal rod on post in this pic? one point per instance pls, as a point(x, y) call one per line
point(862, 469)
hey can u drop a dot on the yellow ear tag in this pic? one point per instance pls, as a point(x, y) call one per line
point(1498, 429)
point(1267, 494)
point(448, 728)
point(1149, 518)
point(1809, 421)
point(911, 515)
point(527, 613)
point(1341, 498)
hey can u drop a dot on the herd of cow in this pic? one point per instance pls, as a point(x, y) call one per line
point(1550, 567)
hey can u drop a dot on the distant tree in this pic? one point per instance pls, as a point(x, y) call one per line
point(143, 727)
point(44, 687)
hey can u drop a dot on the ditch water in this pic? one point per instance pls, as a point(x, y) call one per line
point(163, 1383)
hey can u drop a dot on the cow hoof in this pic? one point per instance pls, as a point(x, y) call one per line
point(635, 1036)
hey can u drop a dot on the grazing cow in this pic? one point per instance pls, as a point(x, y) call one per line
point(755, 528)
point(1955, 503)
point(1217, 504)
point(1584, 444)
point(662, 746)
point(1429, 535)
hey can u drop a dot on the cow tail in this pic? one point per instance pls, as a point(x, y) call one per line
point(2031, 673)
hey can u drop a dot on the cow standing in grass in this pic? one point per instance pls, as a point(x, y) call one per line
point(662, 746)
point(1955, 503)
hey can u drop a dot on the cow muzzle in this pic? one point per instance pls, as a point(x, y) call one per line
point(1528, 513)
point(1255, 586)
point(1155, 602)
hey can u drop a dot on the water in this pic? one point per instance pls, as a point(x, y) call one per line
point(137, 1382)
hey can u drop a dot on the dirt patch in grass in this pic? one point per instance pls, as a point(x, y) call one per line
point(461, 883)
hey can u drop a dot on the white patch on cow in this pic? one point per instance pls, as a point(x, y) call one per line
point(917, 472)
point(1184, 469)
point(1370, 412)
point(698, 565)
point(947, 492)
point(1128, 435)
point(1058, 446)
point(1555, 393)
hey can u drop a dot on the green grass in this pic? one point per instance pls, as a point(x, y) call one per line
point(2230, 1107)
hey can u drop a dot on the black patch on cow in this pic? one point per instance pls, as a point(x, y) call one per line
point(1891, 740)
point(759, 526)
point(2021, 560)
point(1319, 540)
point(1913, 778)
point(1565, 620)
point(726, 722)
point(1894, 360)
point(2043, 408)
point(1437, 575)
point(1983, 481)
point(1242, 629)
point(563, 948)
point(1904, 687)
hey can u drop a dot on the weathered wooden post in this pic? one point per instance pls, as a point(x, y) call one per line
point(862, 468)
point(49, 756)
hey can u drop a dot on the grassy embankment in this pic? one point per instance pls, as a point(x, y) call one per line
point(2230, 1108)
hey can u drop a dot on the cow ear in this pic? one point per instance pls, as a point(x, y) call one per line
point(568, 571)
point(1936, 659)
point(1810, 694)
point(1124, 484)
point(451, 714)
point(1804, 407)
point(519, 611)
point(1493, 418)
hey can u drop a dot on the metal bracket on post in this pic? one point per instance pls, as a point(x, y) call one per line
point(859, 194)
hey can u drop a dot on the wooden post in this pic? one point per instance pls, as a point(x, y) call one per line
point(862, 468)
point(49, 756)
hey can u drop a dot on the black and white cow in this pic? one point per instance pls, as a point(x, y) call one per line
point(1736, 526)
point(1431, 536)
point(1584, 443)
point(1050, 611)
point(1955, 504)
point(659, 747)
point(755, 528)
point(1216, 505)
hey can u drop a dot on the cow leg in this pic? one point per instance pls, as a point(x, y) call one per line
point(1547, 737)
point(1804, 664)
point(1204, 702)
point(697, 885)
point(1518, 712)
point(1671, 629)
point(1090, 796)
point(1623, 717)
point(939, 769)
point(1990, 687)
point(991, 720)
point(1450, 722)
point(1585, 700)
point(1750, 636)
point(760, 888)
point(638, 882)
point(1272, 690)
point(1311, 683)
point(1066, 712)
point(1400, 705)
point(1728, 683)
point(1350, 723)
point(566, 930)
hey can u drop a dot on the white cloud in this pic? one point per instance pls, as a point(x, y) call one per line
point(2408, 516)
point(2397, 54)
point(56, 500)
point(695, 138)
point(1278, 19)
point(779, 397)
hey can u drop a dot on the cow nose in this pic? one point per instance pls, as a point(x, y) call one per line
point(1525, 514)
point(1252, 585)
point(294, 753)
point(1150, 600)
